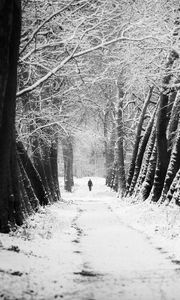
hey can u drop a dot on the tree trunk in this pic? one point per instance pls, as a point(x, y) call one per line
point(110, 156)
point(141, 153)
point(32, 174)
point(114, 175)
point(45, 161)
point(174, 192)
point(162, 154)
point(173, 166)
point(144, 169)
point(105, 127)
point(31, 202)
point(137, 140)
point(48, 171)
point(120, 143)
point(54, 166)
point(173, 123)
point(149, 179)
point(162, 122)
point(10, 25)
point(68, 163)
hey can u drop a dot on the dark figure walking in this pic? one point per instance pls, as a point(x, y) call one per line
point(90, 184)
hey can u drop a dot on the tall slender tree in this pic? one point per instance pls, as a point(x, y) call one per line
point(10, 27)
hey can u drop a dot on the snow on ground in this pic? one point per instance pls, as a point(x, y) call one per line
point(159, 222)
point(93, 245)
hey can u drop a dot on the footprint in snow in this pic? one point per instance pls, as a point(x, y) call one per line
point(76, 241)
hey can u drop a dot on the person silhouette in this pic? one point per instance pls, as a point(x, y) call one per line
point(90, 184)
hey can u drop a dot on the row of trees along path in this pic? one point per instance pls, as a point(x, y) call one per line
point(69, 65)
point(154, 168)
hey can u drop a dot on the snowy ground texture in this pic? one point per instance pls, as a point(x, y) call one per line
point(93, 246)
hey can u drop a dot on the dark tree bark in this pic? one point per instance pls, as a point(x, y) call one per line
point(162, 153)
point(114, 176)
point(119, 148)
point(109, 140)
point(29, 200)
point(25, 204)
point(144, 169)
point(137, 140)
point(10, 25)
point(68, 163)
point(32, 174)
point(54, 166)
point(141, 153)
point(149, 179)
point(173, 166)
point(174, 190)
point(162, 122)
point(174, 119)
point(48, 170)
point(105, 127)
point(45, 161)
point(38, 158)
point(173, 133)
point(110, 156)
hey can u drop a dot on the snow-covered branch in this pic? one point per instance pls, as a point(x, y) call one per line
point(43, 23)
point(75, 54)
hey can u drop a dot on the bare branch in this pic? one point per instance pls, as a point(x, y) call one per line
point(43, 23)
point(80, 53)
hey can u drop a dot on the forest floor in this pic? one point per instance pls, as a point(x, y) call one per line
point(93, 246)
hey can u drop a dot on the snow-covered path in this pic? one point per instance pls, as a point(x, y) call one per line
point(126, 264)
point(83, 249)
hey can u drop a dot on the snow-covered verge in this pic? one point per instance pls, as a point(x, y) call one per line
point(31, 257)
point(159, 223)
point(38, 260)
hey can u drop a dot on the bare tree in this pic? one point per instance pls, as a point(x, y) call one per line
point(10, 208)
